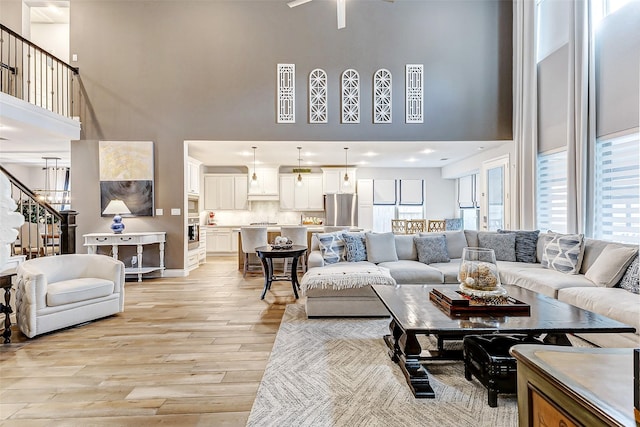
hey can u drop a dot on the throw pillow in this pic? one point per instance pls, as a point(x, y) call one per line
point(563, 252)
point(331, 246)
point(610, 265)
point(504, 245)
point(381, 247)
point(631, 279)
point(451, 224)
point(432, 248)
point(354, 245)
point(456, 242)
point(526, 244)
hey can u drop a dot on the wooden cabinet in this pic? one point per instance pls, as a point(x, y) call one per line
point(193, 176)
point(333, 180)
point(574, 386)
point(225, 192)
point(305, 197)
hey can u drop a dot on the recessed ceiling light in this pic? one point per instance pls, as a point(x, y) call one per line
point(412, 160)
point(481, 148)
point(428, 151)
point(370, 154)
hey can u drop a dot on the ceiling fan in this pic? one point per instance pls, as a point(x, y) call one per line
point(341, 5)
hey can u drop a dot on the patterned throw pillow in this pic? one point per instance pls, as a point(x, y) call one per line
point(355, 247)
point(432, 248)
point(563, 253)
point(526, 244)
point(451, 224)
point(504, 245)
point(331, 246)
point(631, 279)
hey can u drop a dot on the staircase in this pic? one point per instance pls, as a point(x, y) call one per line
point(46, 232)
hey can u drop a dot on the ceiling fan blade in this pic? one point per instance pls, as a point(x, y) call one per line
point(342, 13)
point(295, 3)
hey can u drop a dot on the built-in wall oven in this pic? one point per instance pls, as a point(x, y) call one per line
point(193, 233)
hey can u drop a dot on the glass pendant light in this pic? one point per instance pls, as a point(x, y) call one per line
point(346, 181)
point(254, 177)
point(299, 179)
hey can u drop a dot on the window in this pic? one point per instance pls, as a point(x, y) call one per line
point(617, 189)
point(602, 8)
point(468, 201)
point(551, 183)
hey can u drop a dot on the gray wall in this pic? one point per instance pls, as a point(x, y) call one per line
point(176, 70)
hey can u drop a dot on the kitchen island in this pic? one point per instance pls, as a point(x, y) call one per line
point(273, 231)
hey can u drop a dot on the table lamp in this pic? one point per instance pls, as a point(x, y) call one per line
point(115, 208)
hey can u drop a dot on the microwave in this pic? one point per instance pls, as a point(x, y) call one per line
point(193, 208)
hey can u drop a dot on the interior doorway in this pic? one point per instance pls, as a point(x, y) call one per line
point(495, 206)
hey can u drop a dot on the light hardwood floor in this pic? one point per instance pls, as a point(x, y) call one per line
point(186, 352)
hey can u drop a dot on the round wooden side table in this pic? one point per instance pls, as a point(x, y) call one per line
point(268, 253)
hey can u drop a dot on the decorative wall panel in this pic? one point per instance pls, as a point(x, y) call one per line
point(382, 96)
point(286, 93)
point(350, 96)
point(318, 96)
point(414, 93)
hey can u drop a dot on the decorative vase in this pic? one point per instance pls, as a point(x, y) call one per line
point(117, 226)
point(478, 274)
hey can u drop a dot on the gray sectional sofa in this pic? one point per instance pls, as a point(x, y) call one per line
point(594, 287)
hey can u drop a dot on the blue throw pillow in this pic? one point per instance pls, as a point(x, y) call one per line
point(355, 247)
point(526, 244)
point(431, 248)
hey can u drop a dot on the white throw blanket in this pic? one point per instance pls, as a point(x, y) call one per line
point(345, 275)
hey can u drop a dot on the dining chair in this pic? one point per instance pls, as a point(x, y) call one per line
point(298, 235)
point(251, 238)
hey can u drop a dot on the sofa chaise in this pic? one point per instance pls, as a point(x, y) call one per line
point(586, 273)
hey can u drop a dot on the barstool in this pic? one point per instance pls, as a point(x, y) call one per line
point(298, 236)
point(251, 238)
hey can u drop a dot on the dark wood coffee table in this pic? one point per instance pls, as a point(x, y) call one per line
point(414, 314)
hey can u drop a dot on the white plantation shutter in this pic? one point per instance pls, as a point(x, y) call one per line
point(551, 185)
point(617, 189)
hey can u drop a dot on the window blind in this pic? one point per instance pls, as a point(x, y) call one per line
point(467, 192)
point(617, 189)
point(551, 186)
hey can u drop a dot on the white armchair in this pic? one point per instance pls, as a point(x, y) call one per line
point(55, 292)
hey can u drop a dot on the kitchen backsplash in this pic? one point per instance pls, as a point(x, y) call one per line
point(261, 211)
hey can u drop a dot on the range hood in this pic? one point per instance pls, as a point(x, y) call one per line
point(267, 187)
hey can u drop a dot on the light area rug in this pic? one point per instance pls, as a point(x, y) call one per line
point(337, 372)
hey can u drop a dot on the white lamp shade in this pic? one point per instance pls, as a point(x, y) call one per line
point(116, 207)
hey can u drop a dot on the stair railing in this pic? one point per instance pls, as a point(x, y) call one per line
point(32, 74)
point(46, 231)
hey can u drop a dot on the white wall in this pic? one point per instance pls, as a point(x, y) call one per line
point(440, 193)
point(54, 38)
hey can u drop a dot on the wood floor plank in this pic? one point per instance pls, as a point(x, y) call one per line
point(186, 351)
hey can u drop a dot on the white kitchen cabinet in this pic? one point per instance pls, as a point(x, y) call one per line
point(287, 184)
point(193, 176)
point(333, 180)
point(305, 197)
point(240, 192)
point(267, 187)
point(219, 239)
point(225, 192)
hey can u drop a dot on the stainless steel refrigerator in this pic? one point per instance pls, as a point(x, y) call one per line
point(341, 209)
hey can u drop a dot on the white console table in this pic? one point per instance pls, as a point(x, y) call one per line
point(93, 240)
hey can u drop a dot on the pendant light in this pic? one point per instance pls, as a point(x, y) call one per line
point(254, 177)
point(346, 182)
point(299, 179)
